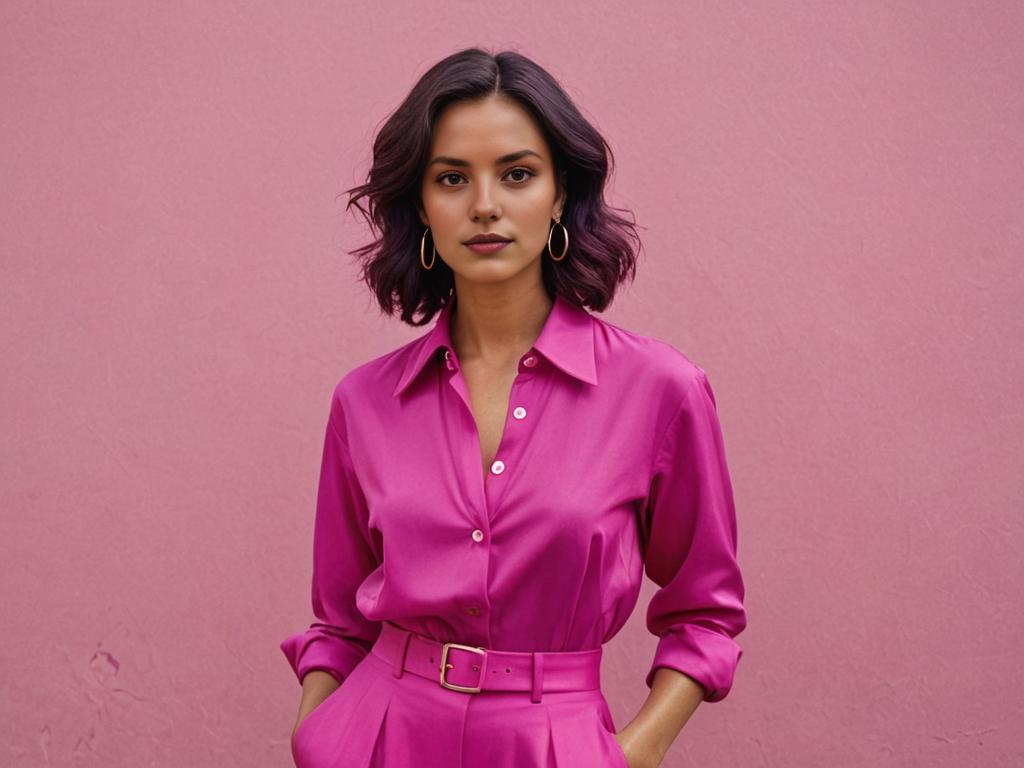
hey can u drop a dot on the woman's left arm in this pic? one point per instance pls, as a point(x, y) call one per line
point(689, 533)
point(673, 698)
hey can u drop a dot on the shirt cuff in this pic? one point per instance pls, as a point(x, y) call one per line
point(708, 657)
point(314, 649)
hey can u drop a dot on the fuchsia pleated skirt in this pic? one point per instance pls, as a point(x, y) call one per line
point(393, 712)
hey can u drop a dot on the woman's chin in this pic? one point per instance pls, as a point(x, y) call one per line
point(489, 269)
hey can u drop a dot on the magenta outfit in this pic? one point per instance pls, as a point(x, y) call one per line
point(611, 465)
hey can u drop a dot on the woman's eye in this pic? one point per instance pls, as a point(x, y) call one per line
point(520, 170)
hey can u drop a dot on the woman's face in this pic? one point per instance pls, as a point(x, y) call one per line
point(470, 187)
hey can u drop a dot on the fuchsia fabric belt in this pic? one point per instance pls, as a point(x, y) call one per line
point(471, 669)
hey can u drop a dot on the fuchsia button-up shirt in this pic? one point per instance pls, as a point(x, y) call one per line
point(611, 465)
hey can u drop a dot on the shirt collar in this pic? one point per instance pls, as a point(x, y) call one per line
point(567, 340)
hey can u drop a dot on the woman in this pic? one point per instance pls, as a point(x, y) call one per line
point(492, 493)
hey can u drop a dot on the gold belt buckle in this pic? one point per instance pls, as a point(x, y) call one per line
point(445, 666)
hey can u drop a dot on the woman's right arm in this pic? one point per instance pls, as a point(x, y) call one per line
point(325, 654)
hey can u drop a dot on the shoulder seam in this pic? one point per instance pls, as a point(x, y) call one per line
point(663, 439)
point(342, 440)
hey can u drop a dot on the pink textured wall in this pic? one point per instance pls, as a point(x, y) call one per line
point(833, 197)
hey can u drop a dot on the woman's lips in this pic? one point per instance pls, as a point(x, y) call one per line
point(488, 247)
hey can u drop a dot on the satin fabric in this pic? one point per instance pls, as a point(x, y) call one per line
point(375, 720)
point(611, 466)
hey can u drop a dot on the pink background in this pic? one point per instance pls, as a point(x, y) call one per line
point(832, 197)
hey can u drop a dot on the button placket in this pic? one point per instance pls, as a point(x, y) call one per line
point(504, 461)
point(516, 430)
point(478, 537)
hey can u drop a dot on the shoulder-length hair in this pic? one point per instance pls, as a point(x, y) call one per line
point(601, 252)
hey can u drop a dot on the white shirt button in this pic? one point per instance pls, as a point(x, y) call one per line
point(529, 361)
point(519, 413)
point(478, 535)
point(498, 467)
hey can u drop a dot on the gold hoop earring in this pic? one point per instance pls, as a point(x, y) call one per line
point(433, 251)
point(565, 250)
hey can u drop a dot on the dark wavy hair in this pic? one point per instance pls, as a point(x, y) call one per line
point(601, 251)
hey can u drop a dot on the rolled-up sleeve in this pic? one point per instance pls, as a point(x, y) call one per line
point(690, 548)
point(342, 558)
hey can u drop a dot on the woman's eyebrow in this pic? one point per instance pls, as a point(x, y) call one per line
point(511, 157)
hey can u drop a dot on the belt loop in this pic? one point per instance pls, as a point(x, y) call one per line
point(399, 661)
point(538, 677)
